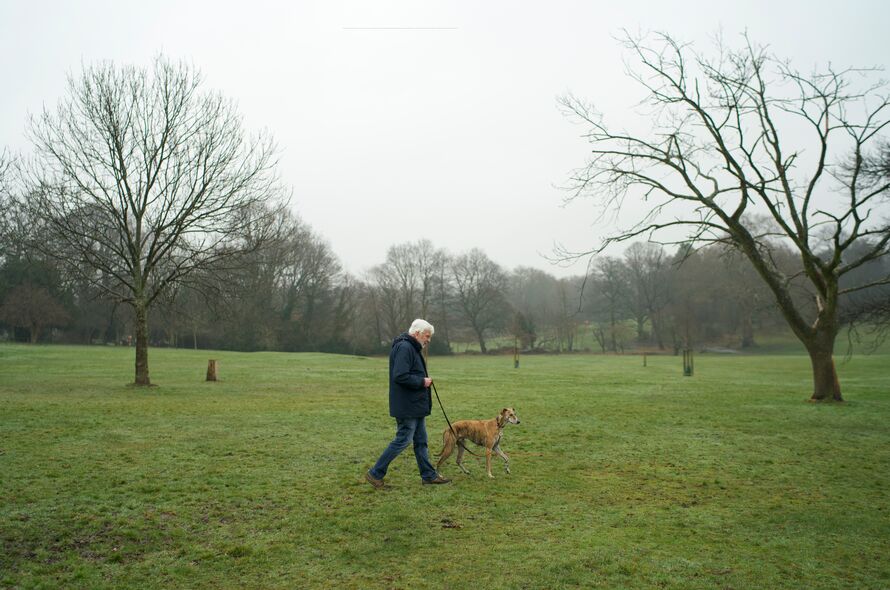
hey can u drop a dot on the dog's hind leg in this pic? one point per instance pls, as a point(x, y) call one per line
point(502, 455)
point(447, 448)
point(460, 457)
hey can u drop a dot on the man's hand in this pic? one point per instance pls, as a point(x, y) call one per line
point(427, 381)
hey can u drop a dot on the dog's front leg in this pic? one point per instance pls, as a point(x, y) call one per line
point(488, 461)
point(503, 455)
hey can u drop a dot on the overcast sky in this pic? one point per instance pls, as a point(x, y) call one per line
point(401, 120)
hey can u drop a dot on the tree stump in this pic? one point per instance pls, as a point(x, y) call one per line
point(211, 370)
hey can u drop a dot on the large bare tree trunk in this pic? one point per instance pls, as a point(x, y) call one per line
point(826, 386)
point(141, 313)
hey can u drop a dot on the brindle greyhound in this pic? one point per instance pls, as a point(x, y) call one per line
point(486, 433)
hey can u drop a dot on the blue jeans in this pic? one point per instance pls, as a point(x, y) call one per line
point(407, 429)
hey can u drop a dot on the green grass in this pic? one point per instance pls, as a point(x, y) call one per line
point(772, 342)
point(624, 476)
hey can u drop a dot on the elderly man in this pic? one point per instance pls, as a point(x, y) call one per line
point(410, 403)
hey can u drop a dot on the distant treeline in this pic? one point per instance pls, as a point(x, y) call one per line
point(294, 296)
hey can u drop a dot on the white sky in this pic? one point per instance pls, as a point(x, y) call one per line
point(407, 119)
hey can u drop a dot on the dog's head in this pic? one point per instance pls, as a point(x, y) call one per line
point(508, 415)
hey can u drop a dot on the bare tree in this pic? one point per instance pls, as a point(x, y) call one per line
point(141, 176)
point(533, 294)
point(430, 262)
point(388, 301)
point(480, 285)
point(7, 203)
point(409, 284)
point(568, 315)
point(609, 301)
point(403, 276)
point(6, 163)
point(747, 134)
point(648, 269)
point(307, 272)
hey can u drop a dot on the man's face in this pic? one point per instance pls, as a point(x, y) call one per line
point(423, 338)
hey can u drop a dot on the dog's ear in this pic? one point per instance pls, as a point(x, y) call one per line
point(505, 410)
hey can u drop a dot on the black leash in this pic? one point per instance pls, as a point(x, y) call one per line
point(456, 438)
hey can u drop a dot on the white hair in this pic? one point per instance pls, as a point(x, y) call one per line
point(420, 326)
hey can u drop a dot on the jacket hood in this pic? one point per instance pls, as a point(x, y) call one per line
point(405, 337)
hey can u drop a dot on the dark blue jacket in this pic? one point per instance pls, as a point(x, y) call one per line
point(408, 398)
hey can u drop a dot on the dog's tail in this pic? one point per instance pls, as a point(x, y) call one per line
point(447, 441)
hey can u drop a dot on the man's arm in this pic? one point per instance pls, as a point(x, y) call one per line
point(402, 363)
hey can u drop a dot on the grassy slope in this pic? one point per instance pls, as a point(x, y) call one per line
point(623, 476)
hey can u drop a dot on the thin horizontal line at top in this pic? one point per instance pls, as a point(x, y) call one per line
point(399, 28)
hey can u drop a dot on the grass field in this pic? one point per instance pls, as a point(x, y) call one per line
point(623, 476)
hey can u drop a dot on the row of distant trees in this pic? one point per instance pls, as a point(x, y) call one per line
point(292, 295)
point(145, 191)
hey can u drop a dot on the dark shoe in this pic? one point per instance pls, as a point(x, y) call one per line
point(377, 483)
point(439, 479)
